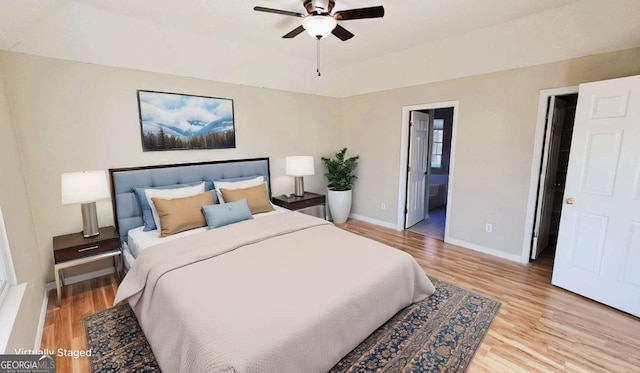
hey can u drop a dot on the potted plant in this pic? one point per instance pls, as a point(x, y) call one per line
point(341, 177)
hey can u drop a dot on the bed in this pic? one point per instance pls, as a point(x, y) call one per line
point(280, 292)
point(138, 240)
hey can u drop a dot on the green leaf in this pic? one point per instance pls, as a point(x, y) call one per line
point(340, 171)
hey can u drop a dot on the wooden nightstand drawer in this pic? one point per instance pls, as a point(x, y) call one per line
point(85, 250)
point(75, 246)
point(309, 203)
point(301, 203)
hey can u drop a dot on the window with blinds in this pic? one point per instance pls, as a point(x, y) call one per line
point(436, 144)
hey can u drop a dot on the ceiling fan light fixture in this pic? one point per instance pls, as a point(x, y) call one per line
point(319, 26)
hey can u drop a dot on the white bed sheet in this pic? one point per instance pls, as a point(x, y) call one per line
point(138, 240)
point(127, 258)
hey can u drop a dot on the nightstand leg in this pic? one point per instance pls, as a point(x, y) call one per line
point(117, 266)
point(57, 276)
point(121, 262)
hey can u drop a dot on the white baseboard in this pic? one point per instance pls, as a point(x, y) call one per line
point(485, 250)
point(52, 285)
point(10, 308)
point(373, 221)
point(467, 245)
point(43, 314)
point(88, 276)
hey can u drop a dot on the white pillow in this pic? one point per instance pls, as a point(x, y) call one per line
point(236, 185)
point(170, 194)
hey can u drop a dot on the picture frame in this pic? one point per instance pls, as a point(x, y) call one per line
point(176, 121)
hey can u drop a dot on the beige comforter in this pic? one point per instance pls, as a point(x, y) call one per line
point(284, 293)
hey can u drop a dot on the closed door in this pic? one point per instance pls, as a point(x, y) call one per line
point(598, 251)
point(417, 172)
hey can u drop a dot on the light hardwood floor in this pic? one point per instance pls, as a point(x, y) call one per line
point(539, 327)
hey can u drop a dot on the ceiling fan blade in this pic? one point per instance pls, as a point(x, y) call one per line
point(278, 11)
point(372, 12)
point(294, 33)
point(342, 33)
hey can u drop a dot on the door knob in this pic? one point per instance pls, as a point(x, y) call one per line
point(570, 201)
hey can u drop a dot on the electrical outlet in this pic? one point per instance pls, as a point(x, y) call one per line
point(383, 206)
point(488, 227)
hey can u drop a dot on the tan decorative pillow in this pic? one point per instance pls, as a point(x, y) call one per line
point(181, 214)
point(256, 196)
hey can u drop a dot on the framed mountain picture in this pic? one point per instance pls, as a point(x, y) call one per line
point(173, 121)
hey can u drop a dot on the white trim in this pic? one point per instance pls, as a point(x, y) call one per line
point(404, 159)
point(7, 271)
point(51, 286)
point(534, 177)
point(87, 276)
point(43, 314)
point(453, 241)
point(11, 293)
point(452, 157)
point(10, 307)
point(6, 258)
point(373, 221)
point(487, 250)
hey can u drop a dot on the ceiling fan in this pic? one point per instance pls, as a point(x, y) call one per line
point(319, 22)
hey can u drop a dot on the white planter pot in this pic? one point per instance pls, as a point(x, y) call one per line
point(339, 205)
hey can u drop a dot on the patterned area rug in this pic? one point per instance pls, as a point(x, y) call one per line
point(439, 334)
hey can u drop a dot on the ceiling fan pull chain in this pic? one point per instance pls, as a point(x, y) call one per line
point(318, 62)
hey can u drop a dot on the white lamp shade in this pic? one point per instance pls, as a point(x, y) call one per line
point(84, 187)
point(300, 165)
point(319, 25)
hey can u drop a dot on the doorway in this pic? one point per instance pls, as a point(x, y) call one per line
point(426, 168)
point(556, 146)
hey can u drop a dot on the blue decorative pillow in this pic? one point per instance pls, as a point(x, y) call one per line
point(147, 215)
point(226, 213)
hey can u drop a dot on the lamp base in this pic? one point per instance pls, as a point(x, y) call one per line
point(89, 220)
point(299, 186)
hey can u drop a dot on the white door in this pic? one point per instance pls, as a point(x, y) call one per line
point(548, 183)
point(417, 172)
point(598, 252)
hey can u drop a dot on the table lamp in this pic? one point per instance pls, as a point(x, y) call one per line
point(86, 188)
point(299, 166)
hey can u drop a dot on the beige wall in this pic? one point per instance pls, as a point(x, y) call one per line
point(22, 240)
point(75, 116)
point(494, 146)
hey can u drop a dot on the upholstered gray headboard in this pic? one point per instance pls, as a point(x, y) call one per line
point(126, 209)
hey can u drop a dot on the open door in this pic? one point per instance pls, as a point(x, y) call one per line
point(598, 250)
point(548, 173)
point(417, 169)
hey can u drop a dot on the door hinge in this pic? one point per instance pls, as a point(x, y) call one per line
point(535, 234)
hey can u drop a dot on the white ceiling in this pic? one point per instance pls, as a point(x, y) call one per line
point(418, 41)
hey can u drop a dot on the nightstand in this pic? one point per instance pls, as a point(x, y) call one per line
point(305, 204)
point(74, 249)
